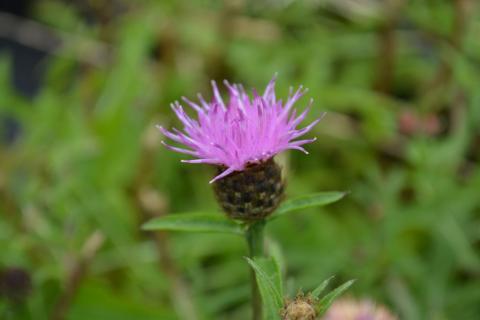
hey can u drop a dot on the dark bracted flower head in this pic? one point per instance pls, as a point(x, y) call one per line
point(15, 284)
point(241, 137)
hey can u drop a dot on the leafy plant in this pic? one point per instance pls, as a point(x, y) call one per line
point(267, 270)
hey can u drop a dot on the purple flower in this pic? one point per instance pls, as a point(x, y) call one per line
point(243, 131)
point(349, 309)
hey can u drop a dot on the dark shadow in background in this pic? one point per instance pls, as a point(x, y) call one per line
point(27, 63)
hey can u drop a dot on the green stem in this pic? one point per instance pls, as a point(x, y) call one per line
point(255, 240)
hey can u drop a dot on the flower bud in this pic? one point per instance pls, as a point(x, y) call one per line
point(251, 194)
point(302, 308)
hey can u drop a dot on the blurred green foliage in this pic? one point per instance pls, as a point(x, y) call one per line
point(400, 81)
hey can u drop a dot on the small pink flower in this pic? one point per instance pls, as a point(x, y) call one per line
point(245, 130)
point(349, 309)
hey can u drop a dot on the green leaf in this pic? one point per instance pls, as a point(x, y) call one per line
point(270, 286)
point(312, 200)
point(318, 290)
point(194, 222)
point(328, 299)
point(275, 251)
point(271, 267)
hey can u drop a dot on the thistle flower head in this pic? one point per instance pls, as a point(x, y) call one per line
point(242, 131)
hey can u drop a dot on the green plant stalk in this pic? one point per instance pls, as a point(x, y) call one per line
point(255, 239)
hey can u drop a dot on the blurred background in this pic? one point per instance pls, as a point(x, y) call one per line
point(82, 84)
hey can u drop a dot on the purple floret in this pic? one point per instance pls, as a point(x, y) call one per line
point(245, 130)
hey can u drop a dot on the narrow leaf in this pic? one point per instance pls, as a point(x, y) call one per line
point(318, 290)
point(272, 269)
point(269, 285)
point(328, 299)
point(275, 251)
point(194, 222)
point(312, 200)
